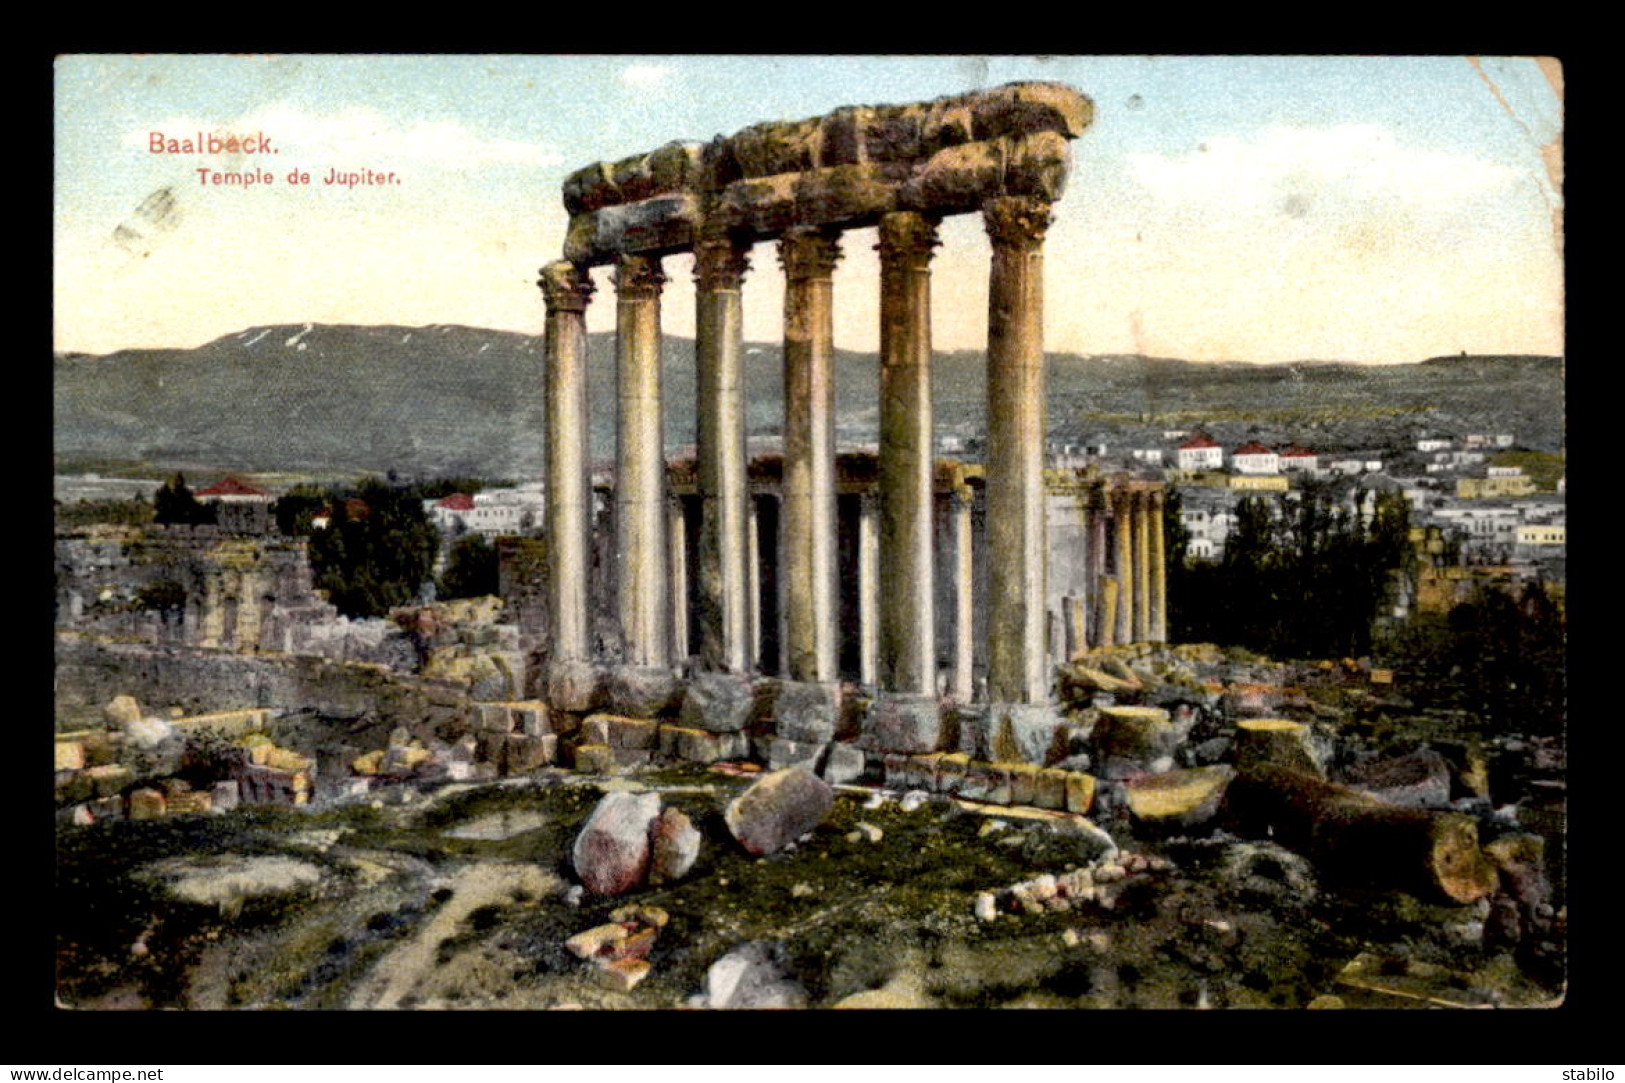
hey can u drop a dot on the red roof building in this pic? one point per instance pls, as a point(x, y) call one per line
point(227, 488)
point(456, 502)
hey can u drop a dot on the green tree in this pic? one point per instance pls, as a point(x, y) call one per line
point(174, 504)
point(377, 551)
point(471, 569)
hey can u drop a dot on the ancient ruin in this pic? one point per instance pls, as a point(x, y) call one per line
point(739, 564)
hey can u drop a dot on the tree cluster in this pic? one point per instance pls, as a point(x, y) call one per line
point(174, 505)
point(377, 549)
point(1309, 578)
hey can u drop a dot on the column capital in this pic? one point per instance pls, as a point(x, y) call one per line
point(720, 263)
point(809, 252)
point(566, 287)
point(638, 277)
point(1016, 221)
point(907, 237)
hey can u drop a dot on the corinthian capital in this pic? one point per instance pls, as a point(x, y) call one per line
point(720, 263)
point(565, 287)
point(907, 238)
point(1016, 221)
point(638, 277)
point(810, 252)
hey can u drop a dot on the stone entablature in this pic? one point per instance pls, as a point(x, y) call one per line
point(847, 169)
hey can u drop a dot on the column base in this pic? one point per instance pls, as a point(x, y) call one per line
point(574, 685)
point(1014, 733)
point(902, 722)
point(718, 702)
point(643, 691)
point(807, 712)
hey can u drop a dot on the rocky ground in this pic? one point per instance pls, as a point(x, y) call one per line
point(662, 888)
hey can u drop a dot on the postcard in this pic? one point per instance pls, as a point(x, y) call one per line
point(712, 532)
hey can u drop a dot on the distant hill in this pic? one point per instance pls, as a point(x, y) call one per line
point(447, 399)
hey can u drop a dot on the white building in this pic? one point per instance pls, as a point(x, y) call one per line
point(1255, 458)
point(1200, 452)
point(491, 514)
point(1299, 458)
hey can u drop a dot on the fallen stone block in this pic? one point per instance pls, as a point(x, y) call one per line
point(1419, 779)
point(637, 733)
point(1049, 788)
point(921, 772)
point(951, 771)
point(611, 854)
point(598, 940)
point(525, 753)
point(717, 703)
point(783, 752)
point(70, 756)
point(122, 711)
point(1080, 791)
point(631, 757)
point(777, 809)
point(146, 804)
point(845, 763)
point(108, 780)
point(1023, 782)
point(895, 769)
point(574, 686)
point(1276, 742)
point(751, 976)
point(226, 795)
point(191, 803)
point(1187, 798)
point(984, 781)
point(674, 846)
point(1130, 740)
point(595, 759)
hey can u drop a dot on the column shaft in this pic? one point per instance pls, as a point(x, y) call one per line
point(964, 596)
point(1159, 573)
point(1142, 568)
point(567, 289)
point(907, 647)
point(1018, 665)
point(809, 522)
point(754, 605)
point(641, 550)
point(869, 610)
point(1123, 512)
point(677, 535)
point(724, 603)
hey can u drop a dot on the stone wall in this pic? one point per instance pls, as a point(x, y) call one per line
point(90, 671)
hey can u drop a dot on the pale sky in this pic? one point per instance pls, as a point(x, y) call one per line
point(1257, 209)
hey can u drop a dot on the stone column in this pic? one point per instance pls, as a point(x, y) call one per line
point(720, 264)
point(677, 538)
point(809, 517)
point(1159, 572)
point(907, 649)
point(1142, 567)
point(642, 548)
point(566, 289)
point(1018, 665)
point(870, 614)
point(754, 605)
point(1101, 628)
point(1123, 512)
point(964, 595)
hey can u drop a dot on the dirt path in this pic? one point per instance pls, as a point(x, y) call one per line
point(477, 885)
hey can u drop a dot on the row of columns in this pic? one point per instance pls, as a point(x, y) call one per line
point(900, 650)
point(1132, 605)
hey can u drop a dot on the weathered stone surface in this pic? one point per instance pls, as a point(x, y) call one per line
point(147, 804)
point(674, 845)
point(643, 691)
point(227, 795)
point(574, 686)
point(717, 702)
point(778, 808)
point(660, 224)
point(1129, 740)
point(845, 763)
point(1049, 788)
point(1185, 798)
point(121, 711)
point(1024, 108)
point(902, 723)
point(149, 733)
point(525, 753)
point(107, 780)
point(751, 976)
point(595, 759)
point(1025, 733)
point(70, 756)
point(1081, 681)
point(763, 150)
point(951, 772)
point(1276, 742)
point(1419, 779)
point(1080, 791)
point(611, 855)
point(843, 195)
point(806, 712)
point(1023, 782)
point(783, 752)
